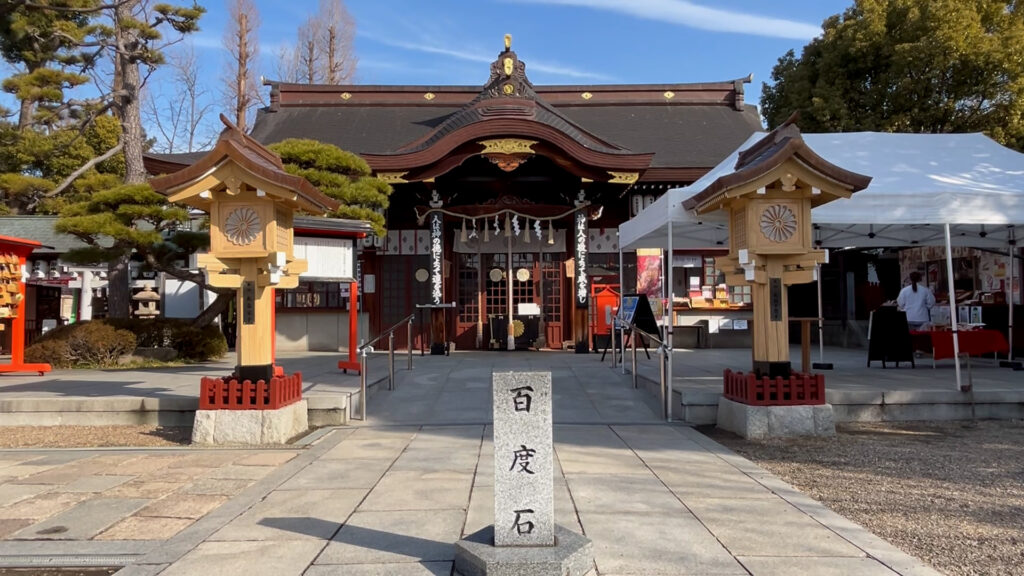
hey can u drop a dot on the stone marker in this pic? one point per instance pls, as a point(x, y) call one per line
point(524, 538)
point(524, 503)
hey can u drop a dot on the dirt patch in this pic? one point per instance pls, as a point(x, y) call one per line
point(92, 437)
point(949, 493)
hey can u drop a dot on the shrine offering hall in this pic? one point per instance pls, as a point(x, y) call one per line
point(507, 196)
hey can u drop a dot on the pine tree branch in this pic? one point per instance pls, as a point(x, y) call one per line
point(96, 8)
point(83, 168)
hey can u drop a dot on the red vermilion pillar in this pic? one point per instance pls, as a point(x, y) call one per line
point(20, 248)
point(353, 323)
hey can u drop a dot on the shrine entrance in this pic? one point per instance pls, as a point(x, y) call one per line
point(537, 280)
point(507, 198)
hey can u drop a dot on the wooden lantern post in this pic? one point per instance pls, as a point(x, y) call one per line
point(769, 198)
point(252, 202)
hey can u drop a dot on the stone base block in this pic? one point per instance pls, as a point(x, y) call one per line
point(775, 421)
point(476, 555)
point(250, 427)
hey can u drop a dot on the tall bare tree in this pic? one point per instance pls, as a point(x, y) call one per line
point(242, 43)
point(337, 34)
point(324, 51)
point(178, 116)
point(310, 52)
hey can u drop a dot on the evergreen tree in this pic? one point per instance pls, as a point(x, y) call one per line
point(341, 175)
point(928, 66)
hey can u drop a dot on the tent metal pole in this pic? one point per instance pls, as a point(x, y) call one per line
point(821, 324)
point(952, 306)
point(622, 292)
point(668, 327)
point(1009, 356)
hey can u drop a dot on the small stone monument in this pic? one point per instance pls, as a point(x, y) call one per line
point(146, 302)
point(524, 538)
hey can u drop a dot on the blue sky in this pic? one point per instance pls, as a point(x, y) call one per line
point(561, 41)
point(442, 42)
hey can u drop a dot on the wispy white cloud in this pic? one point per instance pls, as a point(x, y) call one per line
point(693, 15)
point(205, 41)
point(430, 46)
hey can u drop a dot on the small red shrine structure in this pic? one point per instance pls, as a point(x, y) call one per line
point(13, 253)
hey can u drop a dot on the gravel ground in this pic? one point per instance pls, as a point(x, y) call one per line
point(949, 493)
point(92, 436)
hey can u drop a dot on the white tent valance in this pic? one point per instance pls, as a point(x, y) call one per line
point(920, 182)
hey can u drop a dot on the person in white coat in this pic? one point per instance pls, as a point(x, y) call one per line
point(916, 300)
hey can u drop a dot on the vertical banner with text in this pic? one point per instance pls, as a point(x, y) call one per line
point(436, 258)
point(581, 283)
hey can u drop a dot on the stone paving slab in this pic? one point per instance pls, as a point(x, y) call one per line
point(289, 515)
point(190, 506)
point(94, 484)
point(42, 505)
point(82, 521)
point(12, 493)
point(416, 490)
point(768, 566)
point(387, 537)
point(145, 528)
point(248, 558)
point(622, 493)
point(354, 473)
point(406, 569)
point(647, 544)
point(742, 527)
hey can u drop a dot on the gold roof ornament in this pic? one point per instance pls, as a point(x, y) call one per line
point(508, 42)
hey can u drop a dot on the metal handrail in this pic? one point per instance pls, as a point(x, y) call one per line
point(390, 333)
point(666, 394)
point(385, 332)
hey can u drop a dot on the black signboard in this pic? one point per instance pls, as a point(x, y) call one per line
point(581, 283)
point(636, 311)
point(775, 299)
point(248, 302)
point(436, 259)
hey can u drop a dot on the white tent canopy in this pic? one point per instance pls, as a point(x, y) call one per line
point(920, 182)
point(926, 189)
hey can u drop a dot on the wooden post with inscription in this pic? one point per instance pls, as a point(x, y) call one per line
point(252, 201)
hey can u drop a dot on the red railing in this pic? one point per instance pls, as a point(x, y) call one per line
point(229, 394)
point(797, 390)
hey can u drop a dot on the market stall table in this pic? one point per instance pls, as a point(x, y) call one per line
point(971, 342)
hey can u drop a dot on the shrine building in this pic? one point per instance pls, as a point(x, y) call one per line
point(515, 174)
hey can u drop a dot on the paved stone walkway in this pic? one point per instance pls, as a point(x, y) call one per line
point(391, 496)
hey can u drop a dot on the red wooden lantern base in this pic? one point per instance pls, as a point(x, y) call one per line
point(228, 393)
point(797, 390)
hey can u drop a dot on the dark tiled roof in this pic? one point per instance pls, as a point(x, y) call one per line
point(40, 229)
point(697, 136)
point(680, 136)
point(363, 130)
point(344, 226)
point(181, 157)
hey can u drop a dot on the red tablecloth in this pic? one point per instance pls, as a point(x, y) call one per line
point(973, 342)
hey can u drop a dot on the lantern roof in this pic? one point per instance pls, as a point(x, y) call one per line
point(238, 159)
point(782, 145)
